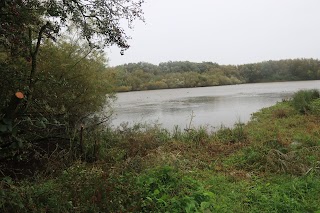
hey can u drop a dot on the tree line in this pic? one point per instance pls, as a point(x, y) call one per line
point(184, 74)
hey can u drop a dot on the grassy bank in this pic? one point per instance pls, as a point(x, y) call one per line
point(270, 164)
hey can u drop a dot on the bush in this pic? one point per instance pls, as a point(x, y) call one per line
point(315, 107)
point(164, 189)
point(301, 100)
point(71, 88)
point(231, 135)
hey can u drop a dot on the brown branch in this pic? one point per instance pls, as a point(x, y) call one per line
point(33, 55)
point(85, 56)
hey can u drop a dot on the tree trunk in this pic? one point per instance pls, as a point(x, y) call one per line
point(13, 106)
point(34, 55)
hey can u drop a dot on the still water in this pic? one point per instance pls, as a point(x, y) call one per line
point(208, 106)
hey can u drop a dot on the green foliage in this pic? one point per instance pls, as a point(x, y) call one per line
point(281, 195)
point(72, 87)
point(198, 136)
point(63, 83)
point(164, 189)
point(231, 135)
point(179, 74)
point(301, 100)
point(18, 18)
point(144, 76)
point(79, 188)
point(46, 18)
point(279, 144)
point(315, 107)
point(75, 77)
point(272, 166)
point(249, 159)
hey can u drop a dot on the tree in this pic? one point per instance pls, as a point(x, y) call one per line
point(63, 84)
point(24, 24)
point(95, 18)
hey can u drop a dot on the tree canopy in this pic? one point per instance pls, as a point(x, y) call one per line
point(24, 24)
point(99, 21)
point(175, 74)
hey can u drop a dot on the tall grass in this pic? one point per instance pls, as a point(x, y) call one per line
point(302, 99)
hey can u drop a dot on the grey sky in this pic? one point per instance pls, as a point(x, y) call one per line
point(224, 31)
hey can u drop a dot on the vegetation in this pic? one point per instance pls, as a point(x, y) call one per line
point(53, 85)
point(57, 157)
point(270, 164)
point(145, 76)
point(302, 100)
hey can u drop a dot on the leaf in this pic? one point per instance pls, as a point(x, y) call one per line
point(209, 194)
point(9, 126)
point(44, 120)
point(191, 206)
point(149, 198)
point(28, 119)
point(14, 131)
point(162, 201)
point(3, 128)
point(18, 143)
point(8, 180)
point(205, 205)
point(7, 120)
point(156, 192)
point(56, 121)
point(40, 124)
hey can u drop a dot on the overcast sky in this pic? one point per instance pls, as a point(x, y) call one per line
point(223, 31)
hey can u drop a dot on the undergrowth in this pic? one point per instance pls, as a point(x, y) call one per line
point(271, 164)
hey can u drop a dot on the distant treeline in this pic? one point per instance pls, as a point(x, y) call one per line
point(183, 74)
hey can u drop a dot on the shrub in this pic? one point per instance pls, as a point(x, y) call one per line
point(301, 100)
point(165, 189)
point(229, 135)
point(315, 107)
point(71, 88)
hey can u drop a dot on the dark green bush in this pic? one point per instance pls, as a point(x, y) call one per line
point(71, 87)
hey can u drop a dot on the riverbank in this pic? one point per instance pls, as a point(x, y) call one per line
point(270, 164)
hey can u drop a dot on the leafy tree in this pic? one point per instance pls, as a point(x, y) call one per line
point(71, 89)
point(76, 79)
point(24, 24)
point(63, 83)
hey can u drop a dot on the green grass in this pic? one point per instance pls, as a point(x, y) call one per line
point(270, 164)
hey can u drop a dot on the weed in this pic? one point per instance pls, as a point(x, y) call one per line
point(196, 136)
point(166, 189)
point(237, 134)
point(315, 107)
point(270, 164)
point(301, 100)
point(280, 113)
point(280, 195)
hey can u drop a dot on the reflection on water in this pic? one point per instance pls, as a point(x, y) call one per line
point(211, 106)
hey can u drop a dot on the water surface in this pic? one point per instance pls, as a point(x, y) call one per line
point(208, 106)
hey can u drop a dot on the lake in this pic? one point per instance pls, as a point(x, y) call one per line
point(207, 106)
